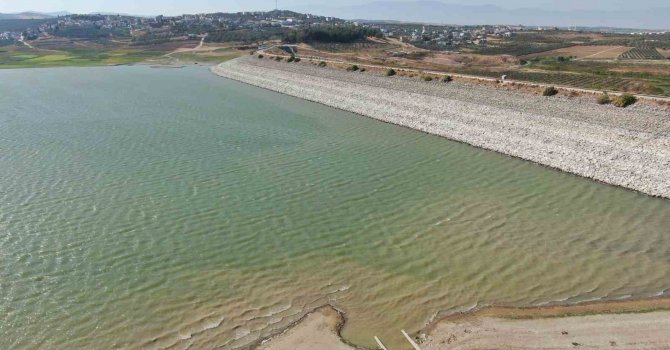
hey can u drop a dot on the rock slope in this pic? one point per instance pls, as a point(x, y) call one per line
point(624, 147)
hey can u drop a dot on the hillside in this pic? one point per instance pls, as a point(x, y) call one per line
point(426, 11)
point(26, 15)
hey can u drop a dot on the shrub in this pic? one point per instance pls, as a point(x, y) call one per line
point(352, 68)
point(260, 56)
point(363, 69)
point(291, 59)
point(603, 99)
point(322, 64)
point(447, 79)
point(427, 78)
point(278, 58)
point(390, 72)
point(549, 91)
point(624, 100)
point(297, 59)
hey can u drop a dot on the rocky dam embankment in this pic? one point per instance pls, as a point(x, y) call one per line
point(625, 147)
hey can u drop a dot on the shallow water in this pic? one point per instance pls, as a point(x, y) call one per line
point(154, 208)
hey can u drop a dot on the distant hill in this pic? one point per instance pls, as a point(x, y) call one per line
point(427, 11)
point(26, 15)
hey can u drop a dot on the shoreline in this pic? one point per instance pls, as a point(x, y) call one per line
point(629, 148)
point(324, 323)
point(628, 324)
point(322, 326)
point(598, 307)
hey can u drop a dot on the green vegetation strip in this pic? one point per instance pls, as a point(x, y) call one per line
point(17, 57)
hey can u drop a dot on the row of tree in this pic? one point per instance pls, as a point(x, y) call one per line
point(89, 32)
point(245, 35)
point(331, 34)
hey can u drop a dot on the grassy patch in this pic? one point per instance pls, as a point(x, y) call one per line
point(25, 56)
point(193, 57)
point(50, 58)
point(18, 57)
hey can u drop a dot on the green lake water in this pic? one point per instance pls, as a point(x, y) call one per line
point(172, 209)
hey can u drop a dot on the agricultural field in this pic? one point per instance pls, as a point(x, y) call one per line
point(209, 56)
point(603, 73)
point(14, 56)
point(584, 52)
point(636, 53)
point(645, 77)
point(529, 43)
point(583, 66)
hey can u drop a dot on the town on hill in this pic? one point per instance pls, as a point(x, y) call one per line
point(599, 58)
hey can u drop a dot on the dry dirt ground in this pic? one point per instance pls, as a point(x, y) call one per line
point(629, 324)
point(616, 331)
point(595, 52)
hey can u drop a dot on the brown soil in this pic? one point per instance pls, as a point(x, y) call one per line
point(595, 52)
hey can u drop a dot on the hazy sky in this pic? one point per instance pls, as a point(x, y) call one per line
point(172, 7)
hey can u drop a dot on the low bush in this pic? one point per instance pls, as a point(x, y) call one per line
point(603, 99)
point(391, 72)
point(624, 101)
point(352, 68)
point(549, 91)
point(278, 58)
point(291, 59)
point(447, 79)
point(363, 69)
point(260, 56)
point(322, 64)
point(297, 59)
point(427, 78)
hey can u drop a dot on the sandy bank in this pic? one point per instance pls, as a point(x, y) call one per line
point(625, 147)
point(611, 331)
point(635, 324)
point(318, 330)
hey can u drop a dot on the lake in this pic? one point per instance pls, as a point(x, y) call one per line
point(165, 208)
